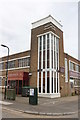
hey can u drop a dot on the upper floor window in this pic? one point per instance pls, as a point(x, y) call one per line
point(11, 64)
point(57, 44)
point(76, 68)
point(66, 70)
point(51, 41)
point(43, 42)
point(24, 62)
point(71, 66)
point(1, 66)
point(47, 41)
point(40, 42)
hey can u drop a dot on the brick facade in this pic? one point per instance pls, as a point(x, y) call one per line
point(64, 87)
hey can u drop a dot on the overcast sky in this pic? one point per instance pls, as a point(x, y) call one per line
point(16, 17)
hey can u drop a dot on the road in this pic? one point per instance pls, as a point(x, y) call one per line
point(8, 113)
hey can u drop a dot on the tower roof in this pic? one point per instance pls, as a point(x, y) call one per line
point(46, 20)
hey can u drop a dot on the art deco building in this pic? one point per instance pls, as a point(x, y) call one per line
point(52, 71)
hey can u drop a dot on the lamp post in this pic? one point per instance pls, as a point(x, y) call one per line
point(6, 69)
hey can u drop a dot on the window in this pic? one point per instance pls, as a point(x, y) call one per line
point(48, 61)
point(72, 82)
point(11, 64)
point(71, 66)
point(40, 42)
point(51, 41)
point(56, 53)
point(43, 42)
point(66, 70)
point(1, 66)
point(0, 81)
point(76, 68)
point(24, 62)
point(57, 44)
point(47, 41)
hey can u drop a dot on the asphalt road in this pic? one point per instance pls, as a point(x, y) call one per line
point(9, 113)
point(65, 104)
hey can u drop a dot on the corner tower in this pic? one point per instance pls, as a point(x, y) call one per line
point(47, 56)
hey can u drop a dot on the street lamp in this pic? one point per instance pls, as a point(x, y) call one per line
point(6, 69)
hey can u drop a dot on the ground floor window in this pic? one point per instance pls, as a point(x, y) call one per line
point(48, 82)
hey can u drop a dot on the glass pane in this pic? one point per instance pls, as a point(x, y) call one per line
point(40, 82)
point(54, 82)
point(43, 82)
point(48, 82)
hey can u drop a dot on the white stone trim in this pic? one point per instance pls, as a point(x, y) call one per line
point(38, 64)
point(48, 33)
point(74, 77)
point(16, 68)
point(73, 62)
point(48, 95)
point(15, 59)
point(47, 20)
point(42, 66)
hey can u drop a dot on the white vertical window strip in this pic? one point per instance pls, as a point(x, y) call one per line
point(56, 64)
point(38, 64)
point(50, 63)
point(55, 53)
point(53, 63)
point(46, 52)
point(66, 70)
point(42, 67)
point(45, 63)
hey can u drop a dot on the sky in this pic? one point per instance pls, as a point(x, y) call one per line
point(16, 17)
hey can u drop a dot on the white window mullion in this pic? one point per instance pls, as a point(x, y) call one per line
point(56, 82)
point(38, 64)
point(53, 63)
point(46, 52)
point(42, 66)
point(56, 64)
point(58, 69)
point(50, 63)
point(38, 50)
point(58, 55)
point(55, 53)
point(38, 81)
point(45, 63)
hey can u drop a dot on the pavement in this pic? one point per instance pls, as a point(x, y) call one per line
point(46, 106)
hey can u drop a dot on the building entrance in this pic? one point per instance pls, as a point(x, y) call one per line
point(17, 80)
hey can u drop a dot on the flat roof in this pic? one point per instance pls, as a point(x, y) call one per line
point(46, 20)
